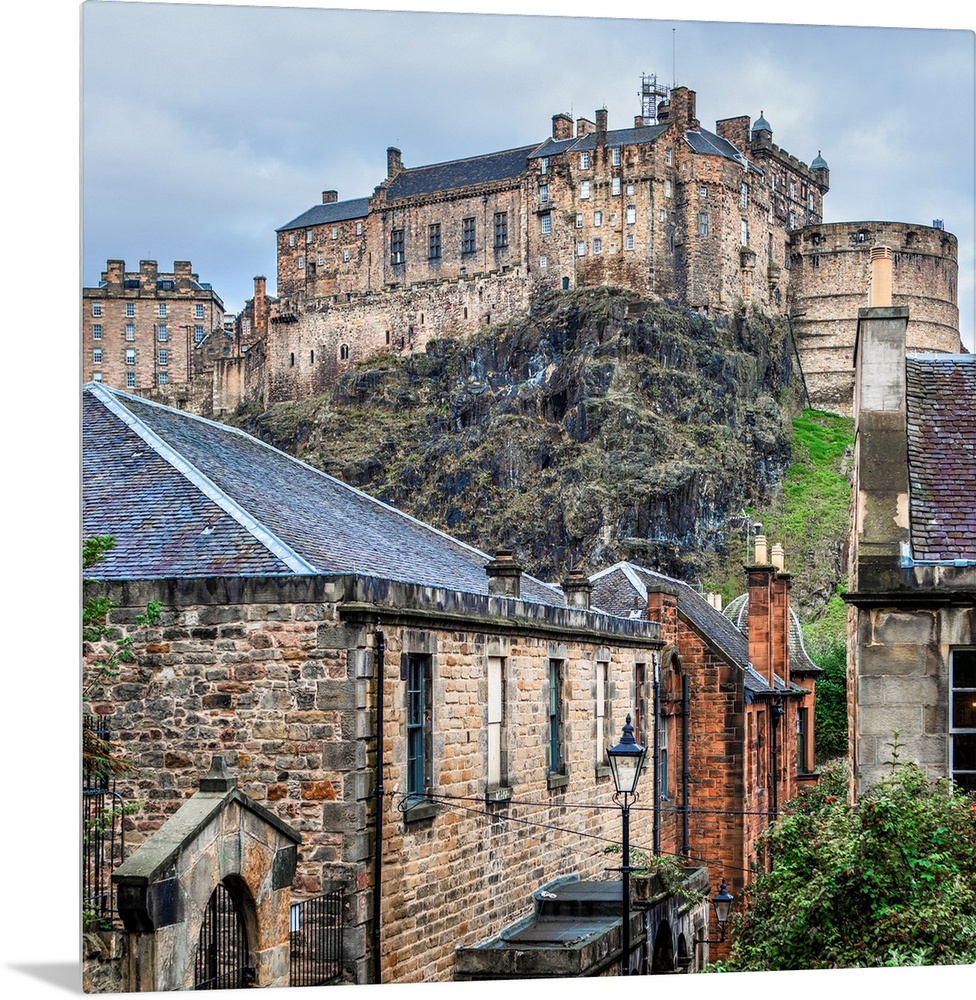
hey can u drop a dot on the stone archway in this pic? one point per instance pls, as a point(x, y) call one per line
point(223, 959)
point(662, 959)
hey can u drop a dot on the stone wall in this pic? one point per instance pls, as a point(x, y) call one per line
point(279, 677)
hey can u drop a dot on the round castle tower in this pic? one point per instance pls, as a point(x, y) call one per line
point(830, 277)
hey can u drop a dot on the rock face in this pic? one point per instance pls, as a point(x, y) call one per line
point(598, 426)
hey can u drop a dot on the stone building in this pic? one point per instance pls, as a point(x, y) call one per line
point(664, 207)
point(140, 328)
point(912, 654)
point(433, 721)
point(729, 721)
point(831, 268)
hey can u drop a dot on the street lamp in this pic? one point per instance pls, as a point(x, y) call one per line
point(626, 763)
point(722, 901)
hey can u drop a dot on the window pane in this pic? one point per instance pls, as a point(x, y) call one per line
point(964, 668)
point(964, 752)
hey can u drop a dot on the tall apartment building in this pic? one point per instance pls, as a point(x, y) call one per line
point(664, 207)
point(140, 328)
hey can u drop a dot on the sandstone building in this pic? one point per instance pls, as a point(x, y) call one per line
point(912, 654)
point(140, 328)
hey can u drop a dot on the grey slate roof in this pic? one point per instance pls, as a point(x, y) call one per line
point(327, 214)
point(506, 165)
point(188, 497)
point(624, 586)
point(941, 404)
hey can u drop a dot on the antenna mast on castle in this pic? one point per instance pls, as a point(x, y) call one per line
point(651, 95)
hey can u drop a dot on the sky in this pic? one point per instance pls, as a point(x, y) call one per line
point(198, 144)
point(207, 127)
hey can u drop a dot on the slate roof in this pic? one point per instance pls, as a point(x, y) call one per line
point(327, 214)
point(616, 588)
point(941, 404)
point(188, 497)
point(507, 165)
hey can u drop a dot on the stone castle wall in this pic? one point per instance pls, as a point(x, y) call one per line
point(831, 276)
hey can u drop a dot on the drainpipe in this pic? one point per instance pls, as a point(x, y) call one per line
point(774, 804)
point(685, 772)
point(657, 757)
point(378, 836)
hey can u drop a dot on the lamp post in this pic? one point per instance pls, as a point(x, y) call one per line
point(722, 902)
point(626, 763)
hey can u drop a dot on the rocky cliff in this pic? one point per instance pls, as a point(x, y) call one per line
point(599, 426)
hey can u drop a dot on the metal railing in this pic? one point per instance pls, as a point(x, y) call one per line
point(316, 940)
point(102, 836)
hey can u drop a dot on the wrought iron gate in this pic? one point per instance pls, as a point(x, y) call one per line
point(222, 955)
point(103, 840)
point(316, 940)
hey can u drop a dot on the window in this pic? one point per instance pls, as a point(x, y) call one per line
point(130, 380)
point(581, 248)
point(396, 246)
point(545, 223)
point(597, 218)
point(544, 165)
point(615, 156)
point(97, 356)
point(792, 221)
point(962, 718)
point(162, 310)
point(584, 189)
point(97, 331)
point(335, 233)
point(501, 230)
point(640, 702)
point(301, 262)
point(198, 334)
point(162, 333)
point(496, 720)
point(585, 160)
point(629, 242)
point(667, 189)
point(130, 356)
point(801, 741)
point(630, 187)
point(434, 241)
point(543, 262)
point(359, 229)
point(291, 239)
point(164, 356)
point(163, 378)
point(744, 195)
point(130, 309)
point(703, 223)
point(662, 215)
point(198, 311)
point(615, 186)
point(703, 192)
point(579, 220)
point(320, 259)
point(345, 256)
point(96, 376)
point(810, 201)
point(662, 747)
point(668, 156)
point(344, 349)
point(792, 189)
point(418, 725)
point(631, 214)
point(598, 245)
point(468, 235)
point(543, 194)
point(96, 309)
point(602, 711)
point(555, 762)
point(744, 232)
point(130, 331)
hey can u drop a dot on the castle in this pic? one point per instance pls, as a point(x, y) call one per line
point(716, 221)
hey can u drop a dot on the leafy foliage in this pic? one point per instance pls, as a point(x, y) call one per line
point(888, 881)
point(826, 642)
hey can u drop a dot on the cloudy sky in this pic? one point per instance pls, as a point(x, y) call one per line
point(206, 127)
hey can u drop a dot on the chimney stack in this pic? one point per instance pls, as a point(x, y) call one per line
point(562, 126)
point(577, 589)
point(331, 197)
point(601, 127)
point(394, 162)
point(584, 127)
point(504, 575)
point(879, 293)
point(778, 557)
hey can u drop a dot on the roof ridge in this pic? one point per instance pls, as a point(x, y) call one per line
point(207, 486)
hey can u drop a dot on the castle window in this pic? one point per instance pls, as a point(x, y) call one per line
point(97, 331)
point(130, 331)
point(335, 234)
point(556, 760)
point(631, 214)
point(130, 309)
point(320, 259)
point(792, 221)
point(130, 356)
point(96, 309)
point(130, 380)
point(744, 195)
point(668, 157)
point(544, 165)
point(792, 189)
point(543, 194)
point(291, 239)
point(962, 718)
point(163, 378)
point(434, 241)
point(396, 246)
point(744, 232)
point(615, 186)
point(661, 215)
point(198, 311)
point(301, 262)
point(585, 160)
point(703, 223)
point(291, 360)
point(615, 156)
point(311, 357)
point(545, 223)
point(598, 245)
point(579, 220)
point(162, 310)
point(630, 187)
point(597, 218)
point(96, 376)
point(501, 230)
point(345, 256)
point(198, 333)
point(97, 356)
point(164, 356)
point(581, 248)
point(802, 764)
point(359, 229)
point(667, 189)
point(629, 241)
point(584, 189)
point(496, 720)
point(703, 192)
point(602, 711)
point(543, 262)
point(419, 725)
point(468, 235)
point(810, 201)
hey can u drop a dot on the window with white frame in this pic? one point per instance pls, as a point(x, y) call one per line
point(130, 355)
point(579, 220)
point(130, 309)
point(631, 214)
point(496, 721)
point(419, 726)
point(615, 186)
point(545, 223)
point(602, 711)
point(544, 194)
point(162, 333)
point(667, 188)
point(97, 356)
point(301, 262)
point(792, 189)
point(743, 195)
point(597, 218)
point(130, 380)
point(543, 262)
point(198, 311)
point(668, 156)
point(130, 331)
point(581, 248)
point(335, 232)
point(345, 256)
point(703, 192)
point(703, 223)
point(97, 331)
point(96, 309)
point(198, 334)
point(291, 239)
point(584, 189)
point(597, 245)
point(162, 310)
point(164, 356)
point(584, 160)
point(163, 378)
point(962, 718)
point(320, 259)
point(96, 376)
point(629, 242)
point(744, 232)
point(663, 755)
point(630, 187)
point(661, 215)
point(615, 156)
point(792, 221)
point(544, 165)
point(359, 229)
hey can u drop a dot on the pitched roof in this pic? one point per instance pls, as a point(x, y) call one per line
point(507, 165)
point(941, 404)
point(737, 611)
point(329, 213)
point(185, 496)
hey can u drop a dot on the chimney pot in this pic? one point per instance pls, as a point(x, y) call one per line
point(762, 551)
point(879, 293)
point(778, 557)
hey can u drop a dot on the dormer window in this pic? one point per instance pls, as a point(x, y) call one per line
point(585, 160)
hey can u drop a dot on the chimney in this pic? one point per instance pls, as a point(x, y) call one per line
point(148, 272)
point(584, 127)
point(331, 197)
point(735, 130)
point(259, 322)
point(394, 164)
point(760, 625)
point(663, 112)
point(601, 127)
point(879, 292)
point(780, 625)
point(115, 275)
point(182, 274)
point(638, 121)
point(778, 557)
point(577, 589)
point(683, 108)
point(662, 607)
point(562, 126)
point(762, 551)
point(504, 575)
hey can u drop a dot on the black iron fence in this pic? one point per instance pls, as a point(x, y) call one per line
point(316, 940)
point(102, 837)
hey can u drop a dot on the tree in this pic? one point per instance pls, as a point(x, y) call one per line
point(888, 881)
